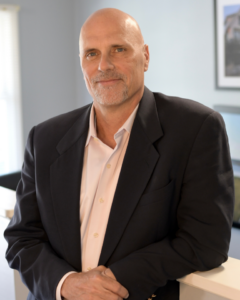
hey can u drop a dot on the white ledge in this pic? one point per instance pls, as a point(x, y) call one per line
point(223, 281)
point(7, 202)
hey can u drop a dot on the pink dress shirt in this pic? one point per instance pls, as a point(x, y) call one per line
point(101, 169)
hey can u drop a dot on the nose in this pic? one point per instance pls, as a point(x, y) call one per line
point(105, 63)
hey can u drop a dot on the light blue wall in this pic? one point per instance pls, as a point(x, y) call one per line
point(180, 35)
point(46, 34)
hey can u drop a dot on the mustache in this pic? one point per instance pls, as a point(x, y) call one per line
point(108, 76)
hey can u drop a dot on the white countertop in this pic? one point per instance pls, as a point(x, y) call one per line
point(223, 281)
point(7, 202)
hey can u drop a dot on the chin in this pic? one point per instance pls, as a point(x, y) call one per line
point(110, 97)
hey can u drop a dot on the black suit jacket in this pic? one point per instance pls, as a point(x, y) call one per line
point(171, 213)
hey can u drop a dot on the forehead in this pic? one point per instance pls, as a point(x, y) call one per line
point(97, 40)
point(105, 32)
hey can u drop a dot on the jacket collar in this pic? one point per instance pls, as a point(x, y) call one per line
point(146, 114)
point(78, 129)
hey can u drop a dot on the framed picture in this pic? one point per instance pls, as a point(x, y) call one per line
point(228, 43)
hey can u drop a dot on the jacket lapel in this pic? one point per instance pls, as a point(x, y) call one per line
point(138, 165)
point(65, 187)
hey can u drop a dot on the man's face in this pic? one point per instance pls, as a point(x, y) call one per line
point(113, 60)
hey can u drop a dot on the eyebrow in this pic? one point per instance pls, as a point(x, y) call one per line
point(115, 46)
point(112, 46)
point(89, 50)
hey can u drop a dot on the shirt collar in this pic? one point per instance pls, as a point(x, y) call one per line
point(92, 132)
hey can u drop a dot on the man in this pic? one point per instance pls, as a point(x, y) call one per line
point(120, 198)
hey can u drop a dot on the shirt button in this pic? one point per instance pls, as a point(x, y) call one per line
point(89, 268)
point(101, 200)
point(95, 235)
point(108, 166)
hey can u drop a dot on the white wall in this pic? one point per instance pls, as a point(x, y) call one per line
point(180, 35)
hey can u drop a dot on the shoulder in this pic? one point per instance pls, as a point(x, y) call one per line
point(178, 105)
point(63, 120)
point(60, 124)
point(181, 113)
point(46, 135)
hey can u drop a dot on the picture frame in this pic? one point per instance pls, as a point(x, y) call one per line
point(228, 43)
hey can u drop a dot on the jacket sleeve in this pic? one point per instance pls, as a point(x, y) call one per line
point(204, 219)
point(28, 245)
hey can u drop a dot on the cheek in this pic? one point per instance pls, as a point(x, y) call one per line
point(128, 69)
point(135, 71)
point(87, 79)
point(88, 75)
point(136, 65)
point(88, 69)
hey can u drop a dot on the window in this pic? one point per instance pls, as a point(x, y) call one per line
point(10, 101)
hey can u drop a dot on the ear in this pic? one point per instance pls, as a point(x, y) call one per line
point(146, 56)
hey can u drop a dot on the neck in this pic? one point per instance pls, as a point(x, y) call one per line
point(110, 118)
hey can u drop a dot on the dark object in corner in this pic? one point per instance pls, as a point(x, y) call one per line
point(236, 224)
point(10, 181)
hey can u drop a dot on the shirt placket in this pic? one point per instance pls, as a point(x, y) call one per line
point(101, 207)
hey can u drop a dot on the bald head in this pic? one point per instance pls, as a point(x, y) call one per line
point(112, 18)
point(113, 57)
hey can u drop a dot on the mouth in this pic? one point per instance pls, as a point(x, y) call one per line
point(108, 81)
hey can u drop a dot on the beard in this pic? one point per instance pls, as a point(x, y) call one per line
point(109, 95)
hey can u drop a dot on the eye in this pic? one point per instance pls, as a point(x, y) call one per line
point(91, 54)
point(119, 49)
